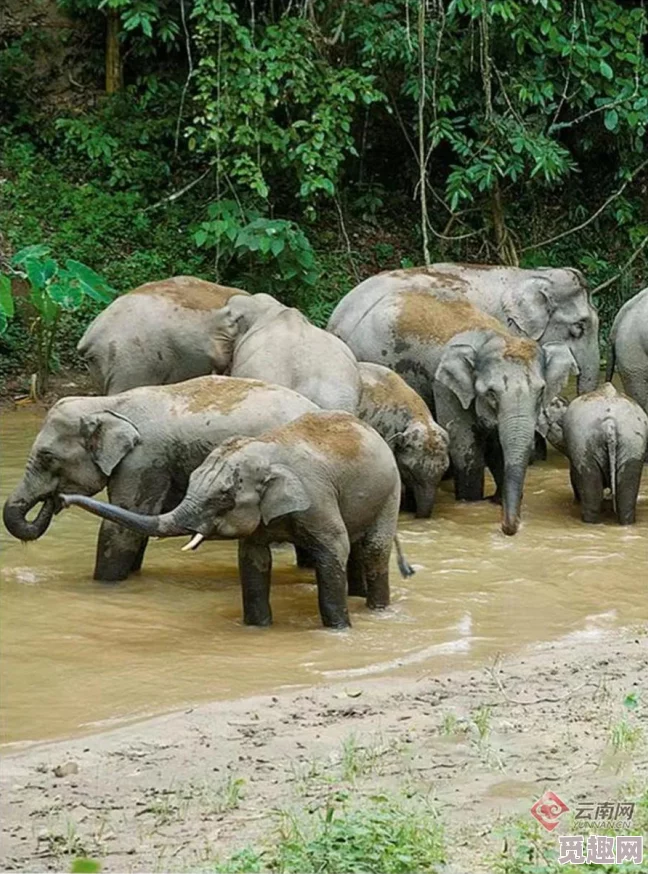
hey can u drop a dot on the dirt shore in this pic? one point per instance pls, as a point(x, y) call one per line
point(180, 791)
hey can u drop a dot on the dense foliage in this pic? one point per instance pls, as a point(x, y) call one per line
point(297, 145)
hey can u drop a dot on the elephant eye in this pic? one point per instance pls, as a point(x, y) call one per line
point(577, 329)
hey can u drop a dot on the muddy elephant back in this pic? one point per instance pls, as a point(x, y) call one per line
point(188, 292)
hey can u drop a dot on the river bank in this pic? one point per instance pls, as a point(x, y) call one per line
point(180, 791)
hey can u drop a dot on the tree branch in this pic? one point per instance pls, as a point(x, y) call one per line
point(608, 282)
point(181, 191)
point(594, 215)
point(187, 80)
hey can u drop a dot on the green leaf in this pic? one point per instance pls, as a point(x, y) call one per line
point(85, 866)
point(68, 294)
point(611, 119)
point(29, 253)
point(630, 701)
point(6, 298)
point(90, 282)
point(606, 70)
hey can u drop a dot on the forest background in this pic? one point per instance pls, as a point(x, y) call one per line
point(298, 146)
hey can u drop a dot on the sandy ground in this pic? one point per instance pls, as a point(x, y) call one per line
point(178, 791)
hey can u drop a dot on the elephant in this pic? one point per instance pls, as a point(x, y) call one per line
point(628, 348)
point(604, 434)
point(486, 385)
point(547, 304)
point(326, 482)
point(275, 342)
point(142, 444)
point(403, 420)
point(159, 333)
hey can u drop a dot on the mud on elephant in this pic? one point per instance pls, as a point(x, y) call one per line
point(326, 482)
point(486, 385)
point(143, 445)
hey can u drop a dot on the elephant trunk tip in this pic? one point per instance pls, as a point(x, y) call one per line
point(510, 526)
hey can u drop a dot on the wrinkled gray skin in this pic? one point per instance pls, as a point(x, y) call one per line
point(401, 417)
point(160, 333)
point(278, 343)
point(604, 435)
point(327, 482)
point(629, 348)
point(143, 445)
point(547, 304)
point(486, 386)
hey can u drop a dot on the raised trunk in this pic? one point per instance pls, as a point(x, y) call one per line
point(165, 525)
point(14, 515)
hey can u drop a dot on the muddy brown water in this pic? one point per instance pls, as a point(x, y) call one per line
point(77, 655)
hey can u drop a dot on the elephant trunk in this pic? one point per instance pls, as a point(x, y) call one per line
point(165, 525)
point(14, 515)
point(589, 360)
point(517, 435)
point(424, 495)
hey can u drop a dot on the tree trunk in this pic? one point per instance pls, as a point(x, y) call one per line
point(113, 57)
point(505, 246)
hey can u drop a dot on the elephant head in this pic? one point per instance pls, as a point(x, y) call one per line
point(234, 490)
point(550, 422)
point(421, 453)
point(77, 449)
point(508, 381)
point(243, 311)
point(553, 305)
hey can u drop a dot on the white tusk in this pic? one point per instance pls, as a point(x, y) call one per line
point(194, 543)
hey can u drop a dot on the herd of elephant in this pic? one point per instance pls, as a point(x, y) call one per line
point(226, 415)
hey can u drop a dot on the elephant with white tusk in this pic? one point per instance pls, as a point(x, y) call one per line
point(486, 385)
point(142, 444)
point(326, 482)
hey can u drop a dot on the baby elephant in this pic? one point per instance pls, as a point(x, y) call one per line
point(604, 435)
point(402, 418)
point(326, 482)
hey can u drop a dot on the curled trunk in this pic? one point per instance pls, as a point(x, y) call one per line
point(512, 498)
point(14, 515)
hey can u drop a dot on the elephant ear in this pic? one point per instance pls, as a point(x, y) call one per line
point(284, 493)
point(528, 307)
point(559, 364)
point(242, 311)
point(108, 437)
point(456, 371)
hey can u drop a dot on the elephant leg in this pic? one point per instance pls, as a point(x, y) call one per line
point(540, 449)
point(466, 451)
point(356, 571)
point(305, 558)
point(119, 552)
point(573, 476)
point(255, 568)
point(627, 490)
point(495, 462)
point(408, 502)
point(591, 487)
point(331, 550)
point(635, 384)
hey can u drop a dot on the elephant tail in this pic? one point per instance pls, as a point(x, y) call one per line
point(610, 431)
point(405, 568)
point(611, 361)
